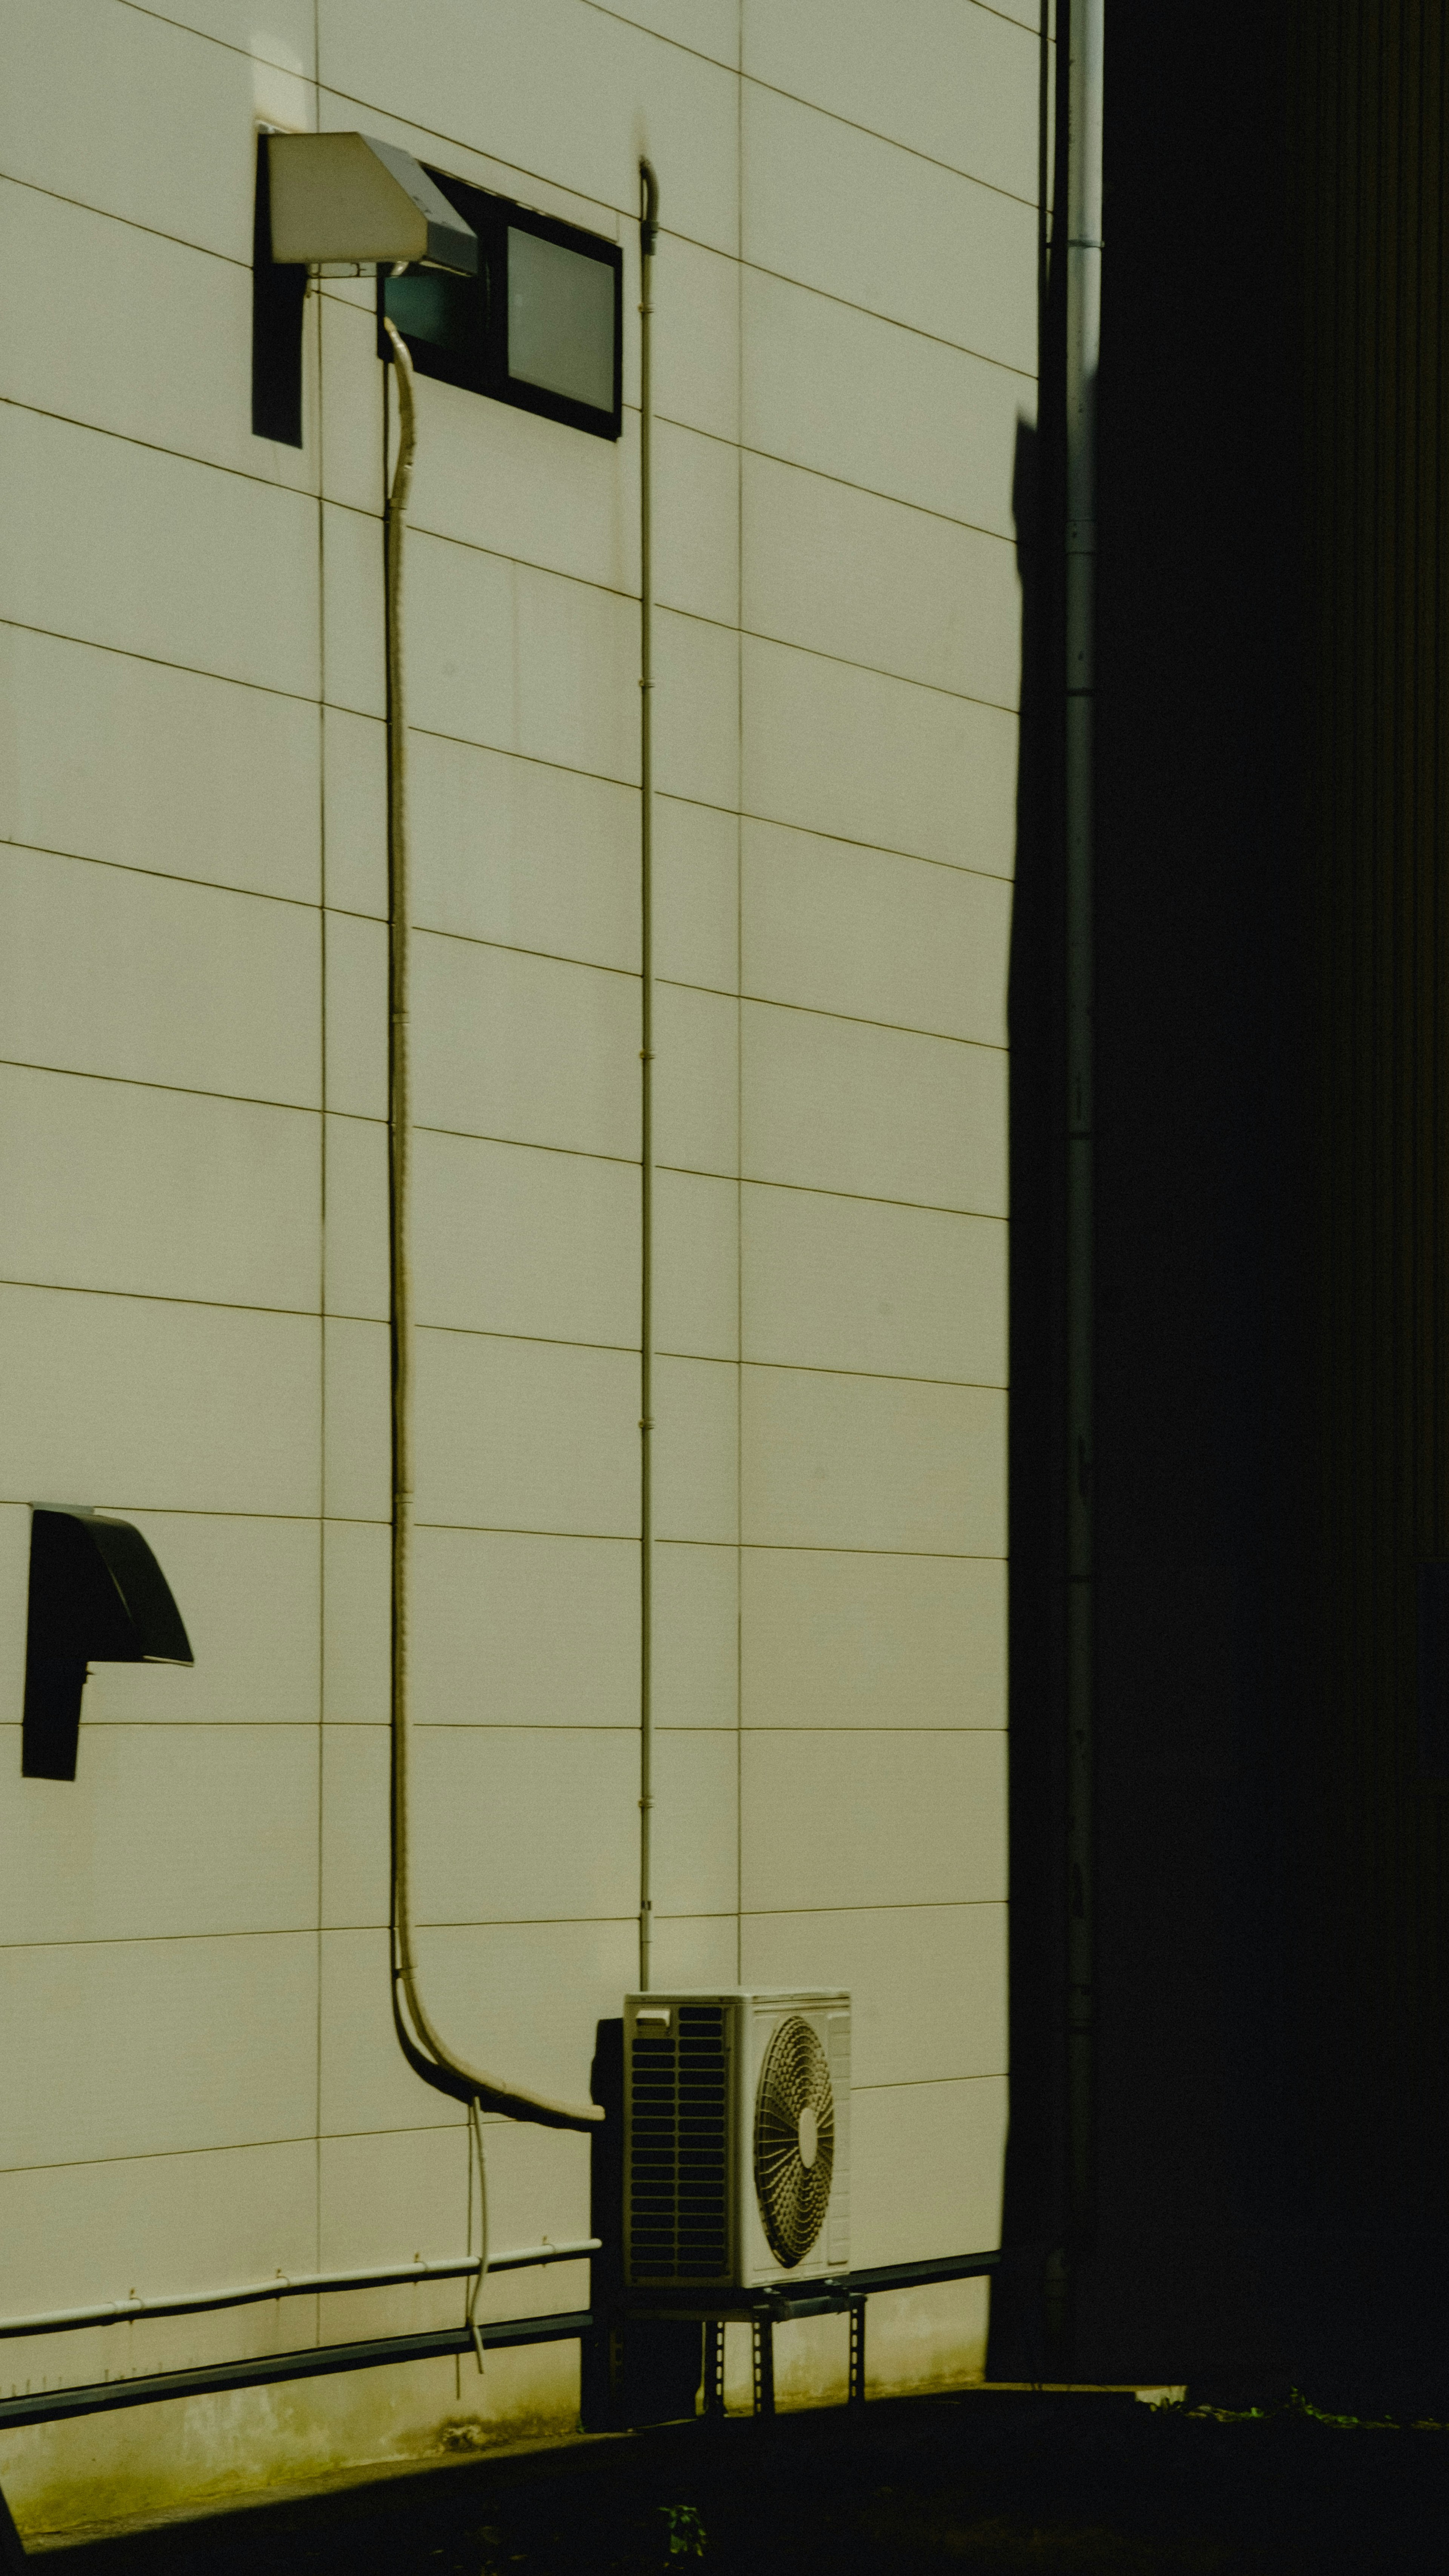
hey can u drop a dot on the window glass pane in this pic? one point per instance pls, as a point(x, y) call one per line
point(428, 305)
point(560, 319)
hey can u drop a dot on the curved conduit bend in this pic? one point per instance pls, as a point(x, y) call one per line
point(426, 2052)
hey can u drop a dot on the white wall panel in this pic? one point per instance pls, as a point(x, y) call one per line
point(696, 1820)
point(519, 1824)
point(519, 852)
point(356, 1776)
point(564, 90)
point(697, 334)
point(277, 32)
point(696, 1450)
point(843, 1283)
point(866, 1462)
point(901, 590)
point(356, 1019)
point(837, 1105)
point(521, 660)
point(106, 757)
point(874, 936)
point(513, 1630)
point(352, 650)
point(696, 1635)
point(165, 1830)
point(393, 2199)
point(126, 1401)
point(525, 1049)
point(166, 1193)
point(355, 1419)
point(520, 486)
point(72, 2235)
point(354, 811)
point(152, 980)
point(873, 759)
point(355, 1617)
point(696, 523)
point(696, 1265)
point(115, 109)
point(507, 1239)
point(867, 1819)
point(954, 258)
point(828, 386)
point(355, 1230)
point(346, 428)
point(696, 894)
point(230, 587)
point(527, 1435)
point(129, 332)
point(958, 84)
point(696, 709)
point(136, 2048)
point(696, 1079)
point(927, 1983)
point(852, 1640)
point(926, 2164)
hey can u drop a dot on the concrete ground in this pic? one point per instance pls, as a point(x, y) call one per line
point(979, 2482)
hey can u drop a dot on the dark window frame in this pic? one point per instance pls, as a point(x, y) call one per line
point(480, 366)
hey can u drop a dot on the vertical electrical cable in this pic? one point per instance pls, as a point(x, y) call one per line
point(420, 2043)
point(1084, 307)
point(648, 223)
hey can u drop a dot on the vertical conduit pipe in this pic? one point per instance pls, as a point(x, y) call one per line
point(1084, 304)
point(648, 223)
point(421, 2045)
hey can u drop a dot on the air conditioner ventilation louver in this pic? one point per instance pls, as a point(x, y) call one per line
point(678, 2167)
point(794, 2140)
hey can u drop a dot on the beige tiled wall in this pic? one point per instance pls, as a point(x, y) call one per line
point(202, 2083)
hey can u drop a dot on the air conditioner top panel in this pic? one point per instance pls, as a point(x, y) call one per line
point(811, 1998)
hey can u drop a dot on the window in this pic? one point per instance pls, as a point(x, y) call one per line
point(540, 326)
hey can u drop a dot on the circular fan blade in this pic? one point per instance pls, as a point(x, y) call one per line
point(793, 2194)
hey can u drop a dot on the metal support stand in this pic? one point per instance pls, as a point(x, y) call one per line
point(714, 2376)
point(762, 2337)
point(857, 2352)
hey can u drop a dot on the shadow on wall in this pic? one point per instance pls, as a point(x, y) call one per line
point(1036, 1531)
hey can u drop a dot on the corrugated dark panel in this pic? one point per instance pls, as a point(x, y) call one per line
point(1373, 1962)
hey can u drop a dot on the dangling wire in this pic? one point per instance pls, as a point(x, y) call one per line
point(475, 2145)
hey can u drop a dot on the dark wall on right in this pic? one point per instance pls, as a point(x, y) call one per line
point(1272, 2103)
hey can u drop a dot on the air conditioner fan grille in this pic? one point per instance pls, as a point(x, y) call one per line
point(794, 2140)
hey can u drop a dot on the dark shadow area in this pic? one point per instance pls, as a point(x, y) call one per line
point(1272, 1251)
point(983, 2481)
point(1031, 2225)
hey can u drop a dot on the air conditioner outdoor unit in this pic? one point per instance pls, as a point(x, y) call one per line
point(736, 2139)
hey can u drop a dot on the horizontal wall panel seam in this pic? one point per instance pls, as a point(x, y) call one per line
point(304, 492)
point(108, 215)
point(893, 142)
point(168, 876)
point(845, 482)
point(194, 670)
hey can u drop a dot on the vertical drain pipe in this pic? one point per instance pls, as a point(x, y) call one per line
point(648, 223)
point(1084, 304)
